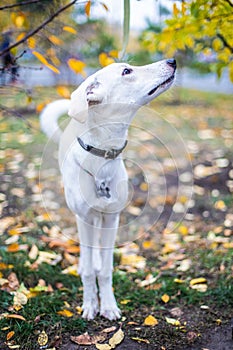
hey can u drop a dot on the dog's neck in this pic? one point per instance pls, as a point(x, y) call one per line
point(107, 127)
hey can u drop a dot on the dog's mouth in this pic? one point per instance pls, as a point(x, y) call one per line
point(162, 85)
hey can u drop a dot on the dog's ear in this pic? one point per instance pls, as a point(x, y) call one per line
point(94, 93)
point(85, 96)
point(78, 104)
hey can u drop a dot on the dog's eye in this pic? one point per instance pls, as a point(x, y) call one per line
point(127, 71)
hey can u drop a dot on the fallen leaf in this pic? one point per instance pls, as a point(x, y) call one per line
point(150, 321)
point(12, 248)
point(10, 335)
point(103, 346)
point(33, 252)
point(140, 340)
point(185, 265)
point(109, 329)
point(116, 338)
point(42, 338)
point(19, 300)
point(65, 313)
point(86, 339)
point(172, 321)
point(125, 301)
point(134, 260)
point(197, 281)
point(18, 317)
point(165, 298)
point(201, 287)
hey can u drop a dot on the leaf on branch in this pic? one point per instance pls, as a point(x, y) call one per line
point(40, 57)
point(63, 91)
point(105, 6)
point(55, 40)
point(105, 60)
point(70, 29)
point(88, 8)
point(31, 42)
point(77, 66)
point(44, 61)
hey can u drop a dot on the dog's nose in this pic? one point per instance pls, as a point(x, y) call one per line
point(171, 62)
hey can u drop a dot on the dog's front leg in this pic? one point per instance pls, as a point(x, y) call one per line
point(87, 236)
point(108, 305)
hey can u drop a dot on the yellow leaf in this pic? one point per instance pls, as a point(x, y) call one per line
point(125, 301)
point(140, 340)
point(183, 230)
point(114, 53)
point(70, 29)
point(217, 44)
point(65, 313)
point(63, 91)
point(172, 321)
point(197, 281)
point(134, 260)
point(88, 8)
point(42, 339)
point(40, 57)
point(12, 248)
point(116, 338)
point(20, 36)
point(103, 346)
point(55, 40)
point(31, 42)
point(19, 21)
point(231, 71)
point(175, 10)
point(150, 321)
point(51, 67)
point(18, 317)
point(148, 244)
point(105, 60)
point(165, 298)
point(77, 66)
point(10, 335)
point(144, 186)
point(177, 280)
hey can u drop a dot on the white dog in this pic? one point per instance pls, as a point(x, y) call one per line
point(93, 172)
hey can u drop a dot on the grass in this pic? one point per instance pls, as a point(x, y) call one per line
point(206, 244)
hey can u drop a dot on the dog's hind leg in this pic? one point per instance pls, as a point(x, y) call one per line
point(88, 243)
point(108, 305)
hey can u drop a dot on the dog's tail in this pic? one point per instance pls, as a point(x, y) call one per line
point(49, 118)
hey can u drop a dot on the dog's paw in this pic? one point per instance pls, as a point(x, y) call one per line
point(111, 312)
point(90, 310)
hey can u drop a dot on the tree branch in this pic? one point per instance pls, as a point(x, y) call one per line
point(230, 3)
point(22, 3)
point(225, 43)
point(41, 26)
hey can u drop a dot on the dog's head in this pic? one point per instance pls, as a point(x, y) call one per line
point(120, 83)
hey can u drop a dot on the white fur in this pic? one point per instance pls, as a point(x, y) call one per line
point(102, 109)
